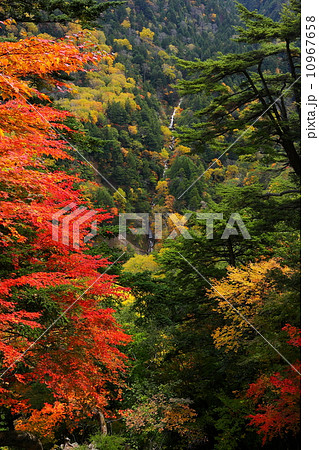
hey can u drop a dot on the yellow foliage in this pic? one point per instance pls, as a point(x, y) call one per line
point(120, 67)
point(74, 28)
point(146, 34)
point(141, 263)
point(162, 188)
point(126, 23)
point(32, 28)
point(166, 133)
point(164, 154)
point(128, 299)
point(44, 36)
point(85, 109)
point(182, 149)
point(220, 138)
point(208, 174)
point(169, 71)
point(106, 85)
point(173, 49)
point(100, 36)
point(163, 54)
point(124, 43)
point(132, 129)
point(119, 198)
point(95, 80)
point(131, 82)
point(246, 289)
point(231, 172)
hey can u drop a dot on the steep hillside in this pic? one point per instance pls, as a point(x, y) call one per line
point(186, 337)
point(130, 106)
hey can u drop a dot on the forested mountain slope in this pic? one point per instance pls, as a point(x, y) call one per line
point(132, 116)
point(188, 341)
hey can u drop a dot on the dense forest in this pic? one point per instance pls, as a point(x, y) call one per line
point(185, 334)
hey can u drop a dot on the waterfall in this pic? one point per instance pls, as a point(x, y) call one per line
point(171, 127)
point(171, 124)
point(151, 240)
point(150, 234)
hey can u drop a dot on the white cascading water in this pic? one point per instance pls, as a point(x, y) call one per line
point(151, 240)
point(171, 127)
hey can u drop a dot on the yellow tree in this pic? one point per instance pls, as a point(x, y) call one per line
point(146, 34)
point(247, 290)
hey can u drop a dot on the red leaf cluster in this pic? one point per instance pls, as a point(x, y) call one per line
point(277, 398)
point(77, 359)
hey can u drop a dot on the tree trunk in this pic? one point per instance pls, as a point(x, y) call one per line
point(293, 157)
point(101, 419)
point(232, 258)
point(20, 440)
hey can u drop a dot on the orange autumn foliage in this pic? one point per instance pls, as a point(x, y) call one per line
point(77, 359)
point(41, 58)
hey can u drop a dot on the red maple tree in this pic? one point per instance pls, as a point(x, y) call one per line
point(77, 360)
point(277, 398)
